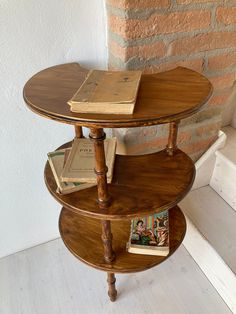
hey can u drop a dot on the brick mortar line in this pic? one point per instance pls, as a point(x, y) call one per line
point(147, 12)
point(192, 153)
point(205, 63)
point(213, 17)
point(198, 138)
point(134, 61)
point(208, 115)
point(196, 55)
point(160, 132)
point(192, 131)
point(167, 37)
point(143, 14)
point(218, 52)
point(231, 69)
point(194, 139)
point(163, 129)
point(206, 108)
point(228, 3)
point(222, 91)
point(188, 127)
point(199, 124)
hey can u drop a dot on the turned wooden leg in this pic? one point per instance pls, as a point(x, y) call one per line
point(109, 255)
point(104, 199)
point(173, 132)
point(98, 136)
point(78, 131)
point(111, 279)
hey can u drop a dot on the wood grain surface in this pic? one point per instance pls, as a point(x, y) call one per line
point(162, 97)
point(141, 185)
point(82, 236)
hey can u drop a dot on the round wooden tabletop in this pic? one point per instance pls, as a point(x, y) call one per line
point(141, 185)
point(82, 236)
point(162, 97)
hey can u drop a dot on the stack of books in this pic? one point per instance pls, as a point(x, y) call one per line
point(150, 235)
point(73, 168)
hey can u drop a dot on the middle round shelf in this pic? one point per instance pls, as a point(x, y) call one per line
point(141, 185)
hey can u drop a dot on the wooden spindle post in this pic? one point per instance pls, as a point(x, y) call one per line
point(173, 132)
point(112, 292)
point(98, 136)
point(78, 131)
point(109, 255)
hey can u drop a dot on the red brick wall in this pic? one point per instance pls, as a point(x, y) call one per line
point(156, 35)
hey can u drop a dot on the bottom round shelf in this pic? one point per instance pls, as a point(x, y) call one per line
point(82, 236)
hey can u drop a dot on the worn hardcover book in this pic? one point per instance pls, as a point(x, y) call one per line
point(80, 164)
point(107, 92)
point(66, 155)
point(150, 235)
point(56, 162)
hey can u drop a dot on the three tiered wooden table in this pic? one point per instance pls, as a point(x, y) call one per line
point(95, 223)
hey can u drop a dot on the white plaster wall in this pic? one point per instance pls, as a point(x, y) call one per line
point(36, 34)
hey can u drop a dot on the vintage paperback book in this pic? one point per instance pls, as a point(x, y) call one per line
point(150, 235)
point(80, 164)
point(107, 92)
point(56, 161)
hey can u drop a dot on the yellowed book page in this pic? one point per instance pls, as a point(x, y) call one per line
point(103, 108)
point(111, 87)
point(66, 155)
point(81, 161)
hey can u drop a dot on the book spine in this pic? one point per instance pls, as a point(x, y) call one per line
point(55, 174)
point(130, 235)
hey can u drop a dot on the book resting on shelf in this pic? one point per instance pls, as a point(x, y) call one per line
point(150, 235)
point(80, 164)
point(107, 92)
point(56, 161)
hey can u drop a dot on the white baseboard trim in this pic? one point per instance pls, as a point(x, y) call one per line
point(213, 266)
point(223, 180)
point(205, 164)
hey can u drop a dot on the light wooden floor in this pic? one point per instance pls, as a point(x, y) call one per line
point(48, 280)
point(211, 214)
